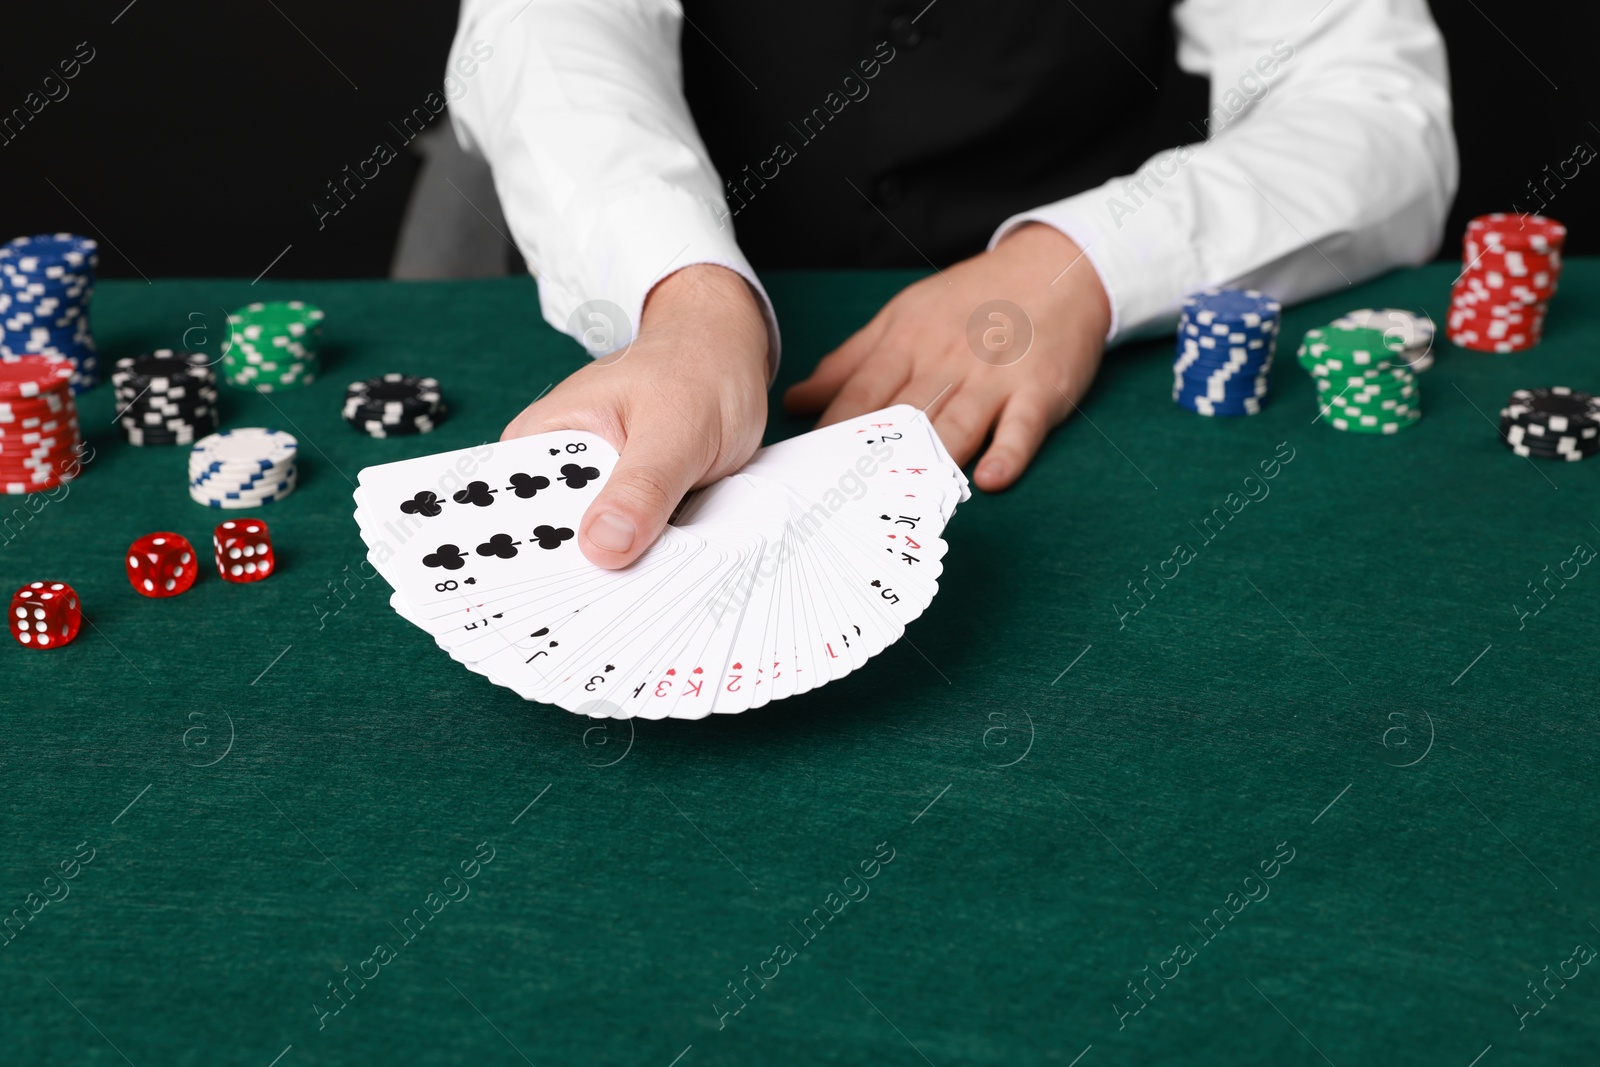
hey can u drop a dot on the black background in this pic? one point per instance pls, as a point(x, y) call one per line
point(196, 140)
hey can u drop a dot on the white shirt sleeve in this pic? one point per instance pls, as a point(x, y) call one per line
point(604, 180)
point(1328, 158)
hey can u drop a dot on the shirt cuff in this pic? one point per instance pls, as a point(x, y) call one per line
point(639, 240)
point(1145, 265)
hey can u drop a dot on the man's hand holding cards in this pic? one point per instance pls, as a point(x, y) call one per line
point(770, 582)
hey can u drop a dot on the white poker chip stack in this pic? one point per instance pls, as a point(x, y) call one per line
point(243, 468)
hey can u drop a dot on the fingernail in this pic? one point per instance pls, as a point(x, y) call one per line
point(992, 470)
point(611, 532)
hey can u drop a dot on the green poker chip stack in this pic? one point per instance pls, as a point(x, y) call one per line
point(274, 346)
point(1365, 383)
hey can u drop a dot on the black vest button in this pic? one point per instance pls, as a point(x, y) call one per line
point(889, 190)
point(904, 32)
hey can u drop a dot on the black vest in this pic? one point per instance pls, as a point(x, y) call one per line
point(851, 135)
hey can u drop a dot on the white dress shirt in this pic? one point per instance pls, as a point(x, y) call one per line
point(1328, 156)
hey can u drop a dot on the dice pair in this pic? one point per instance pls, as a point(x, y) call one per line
point(164, 564)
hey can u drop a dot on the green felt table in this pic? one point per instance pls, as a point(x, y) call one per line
point(1332, 757)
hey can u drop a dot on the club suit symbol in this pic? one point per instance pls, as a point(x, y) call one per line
point(527, 485)
point(447, 556)
point(477, 493)
point(499, 545)
point(576, 476)
point(424, 504)
point(550, 536)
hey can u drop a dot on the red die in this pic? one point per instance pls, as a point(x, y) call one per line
point(244, 550)
point(45, 614)
point(162, 565)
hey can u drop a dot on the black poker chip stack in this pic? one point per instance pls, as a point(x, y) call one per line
point(1555, 423)
point(394, 405)
point(165, 397)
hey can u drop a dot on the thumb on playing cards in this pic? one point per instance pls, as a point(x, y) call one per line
point(656, 468)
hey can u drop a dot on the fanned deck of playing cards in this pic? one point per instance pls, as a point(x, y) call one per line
point(785, 576)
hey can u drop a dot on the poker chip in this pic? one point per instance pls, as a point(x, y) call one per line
point(39, 442)
point(273, 346)
point(1554, 423)
point(138, 435)
point(244, 498)
point(32, 376)
point(45, 286)
point(1226, 341)
point(373, 428)
point(1511, 268)
point(164, 373)
point(242, 468)
point(1366, 377)
point(393, 405)
point(165, 398)
point(1415, 331)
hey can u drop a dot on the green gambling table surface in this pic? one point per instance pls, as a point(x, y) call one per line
point(1323, 796)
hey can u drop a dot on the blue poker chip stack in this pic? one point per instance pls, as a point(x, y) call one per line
point(45, 285)
point(1226, 339)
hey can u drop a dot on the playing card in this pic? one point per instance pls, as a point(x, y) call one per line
point(481, 517)
point(787, 575)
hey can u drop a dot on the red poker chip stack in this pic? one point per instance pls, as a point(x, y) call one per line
point(39, 443)
point(1511, 266)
